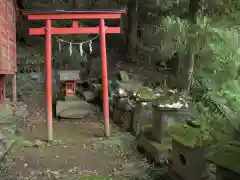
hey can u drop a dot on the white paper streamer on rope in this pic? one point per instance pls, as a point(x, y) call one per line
point(81, 48)
point(70, 49)
point(59, 45)
point(90, 46)
point(80, 44)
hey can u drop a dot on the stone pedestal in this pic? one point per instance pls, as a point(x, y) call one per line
point(225, 174)
point(123, 112)
point(71, 98)
point(73, 109)
point(117, 116)
point(127, 119)
point(162, 118)
point(142, 116)
point(189, 163)
point(153, 149)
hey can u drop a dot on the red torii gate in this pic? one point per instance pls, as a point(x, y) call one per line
point(49, 30)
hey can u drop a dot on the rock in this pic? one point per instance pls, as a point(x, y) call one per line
point(163, 118)
point(117, 115)
point(122, 103)
point(73, 109)
point(127, 119)
point(89, 96)
point(124, 76)
point(142, 116)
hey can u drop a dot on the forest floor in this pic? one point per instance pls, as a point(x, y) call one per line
point(79, 149)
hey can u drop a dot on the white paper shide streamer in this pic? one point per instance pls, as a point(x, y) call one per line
point(79, 45)
point(60, 45)
point(81, 48)
point(70, 49)
point(90, 46)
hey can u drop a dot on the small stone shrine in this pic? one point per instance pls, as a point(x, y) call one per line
point(188, 152)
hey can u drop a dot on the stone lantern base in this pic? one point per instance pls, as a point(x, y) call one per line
point(189, 163)
point(154, 150)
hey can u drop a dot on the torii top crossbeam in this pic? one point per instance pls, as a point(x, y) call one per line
point(49, 30)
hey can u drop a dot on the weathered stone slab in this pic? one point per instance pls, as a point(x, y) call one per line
point(142, 116)
point(163, 118)
point(189, 163)
point(117, 115)
point(153, 149)
point(71, 98)
point(73, 109)
point(89, 96)
point(131, 87)
point(122, 111)
point(127, 119)
point(225, 174)
point(122, 103)
point(69, 75)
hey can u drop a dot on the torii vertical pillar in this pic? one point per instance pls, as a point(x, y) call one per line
point(103, 54)
point(48, 76)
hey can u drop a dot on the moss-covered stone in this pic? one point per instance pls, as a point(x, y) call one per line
point(157, 145)
point(124, 76)
point(131, 86)
point(226, 156)
point(142, 116)
point(146, 94)
point(168, 100)
point(188, 135)
point(153, 149)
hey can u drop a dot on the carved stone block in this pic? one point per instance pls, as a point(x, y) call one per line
point(189, 163)
point(153, 149)
point(142, 116)
point(162, 118)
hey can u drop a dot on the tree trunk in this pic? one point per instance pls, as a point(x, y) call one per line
point(132, 26)
point(194, 6)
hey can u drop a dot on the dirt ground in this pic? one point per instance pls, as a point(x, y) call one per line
point(79, 149)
